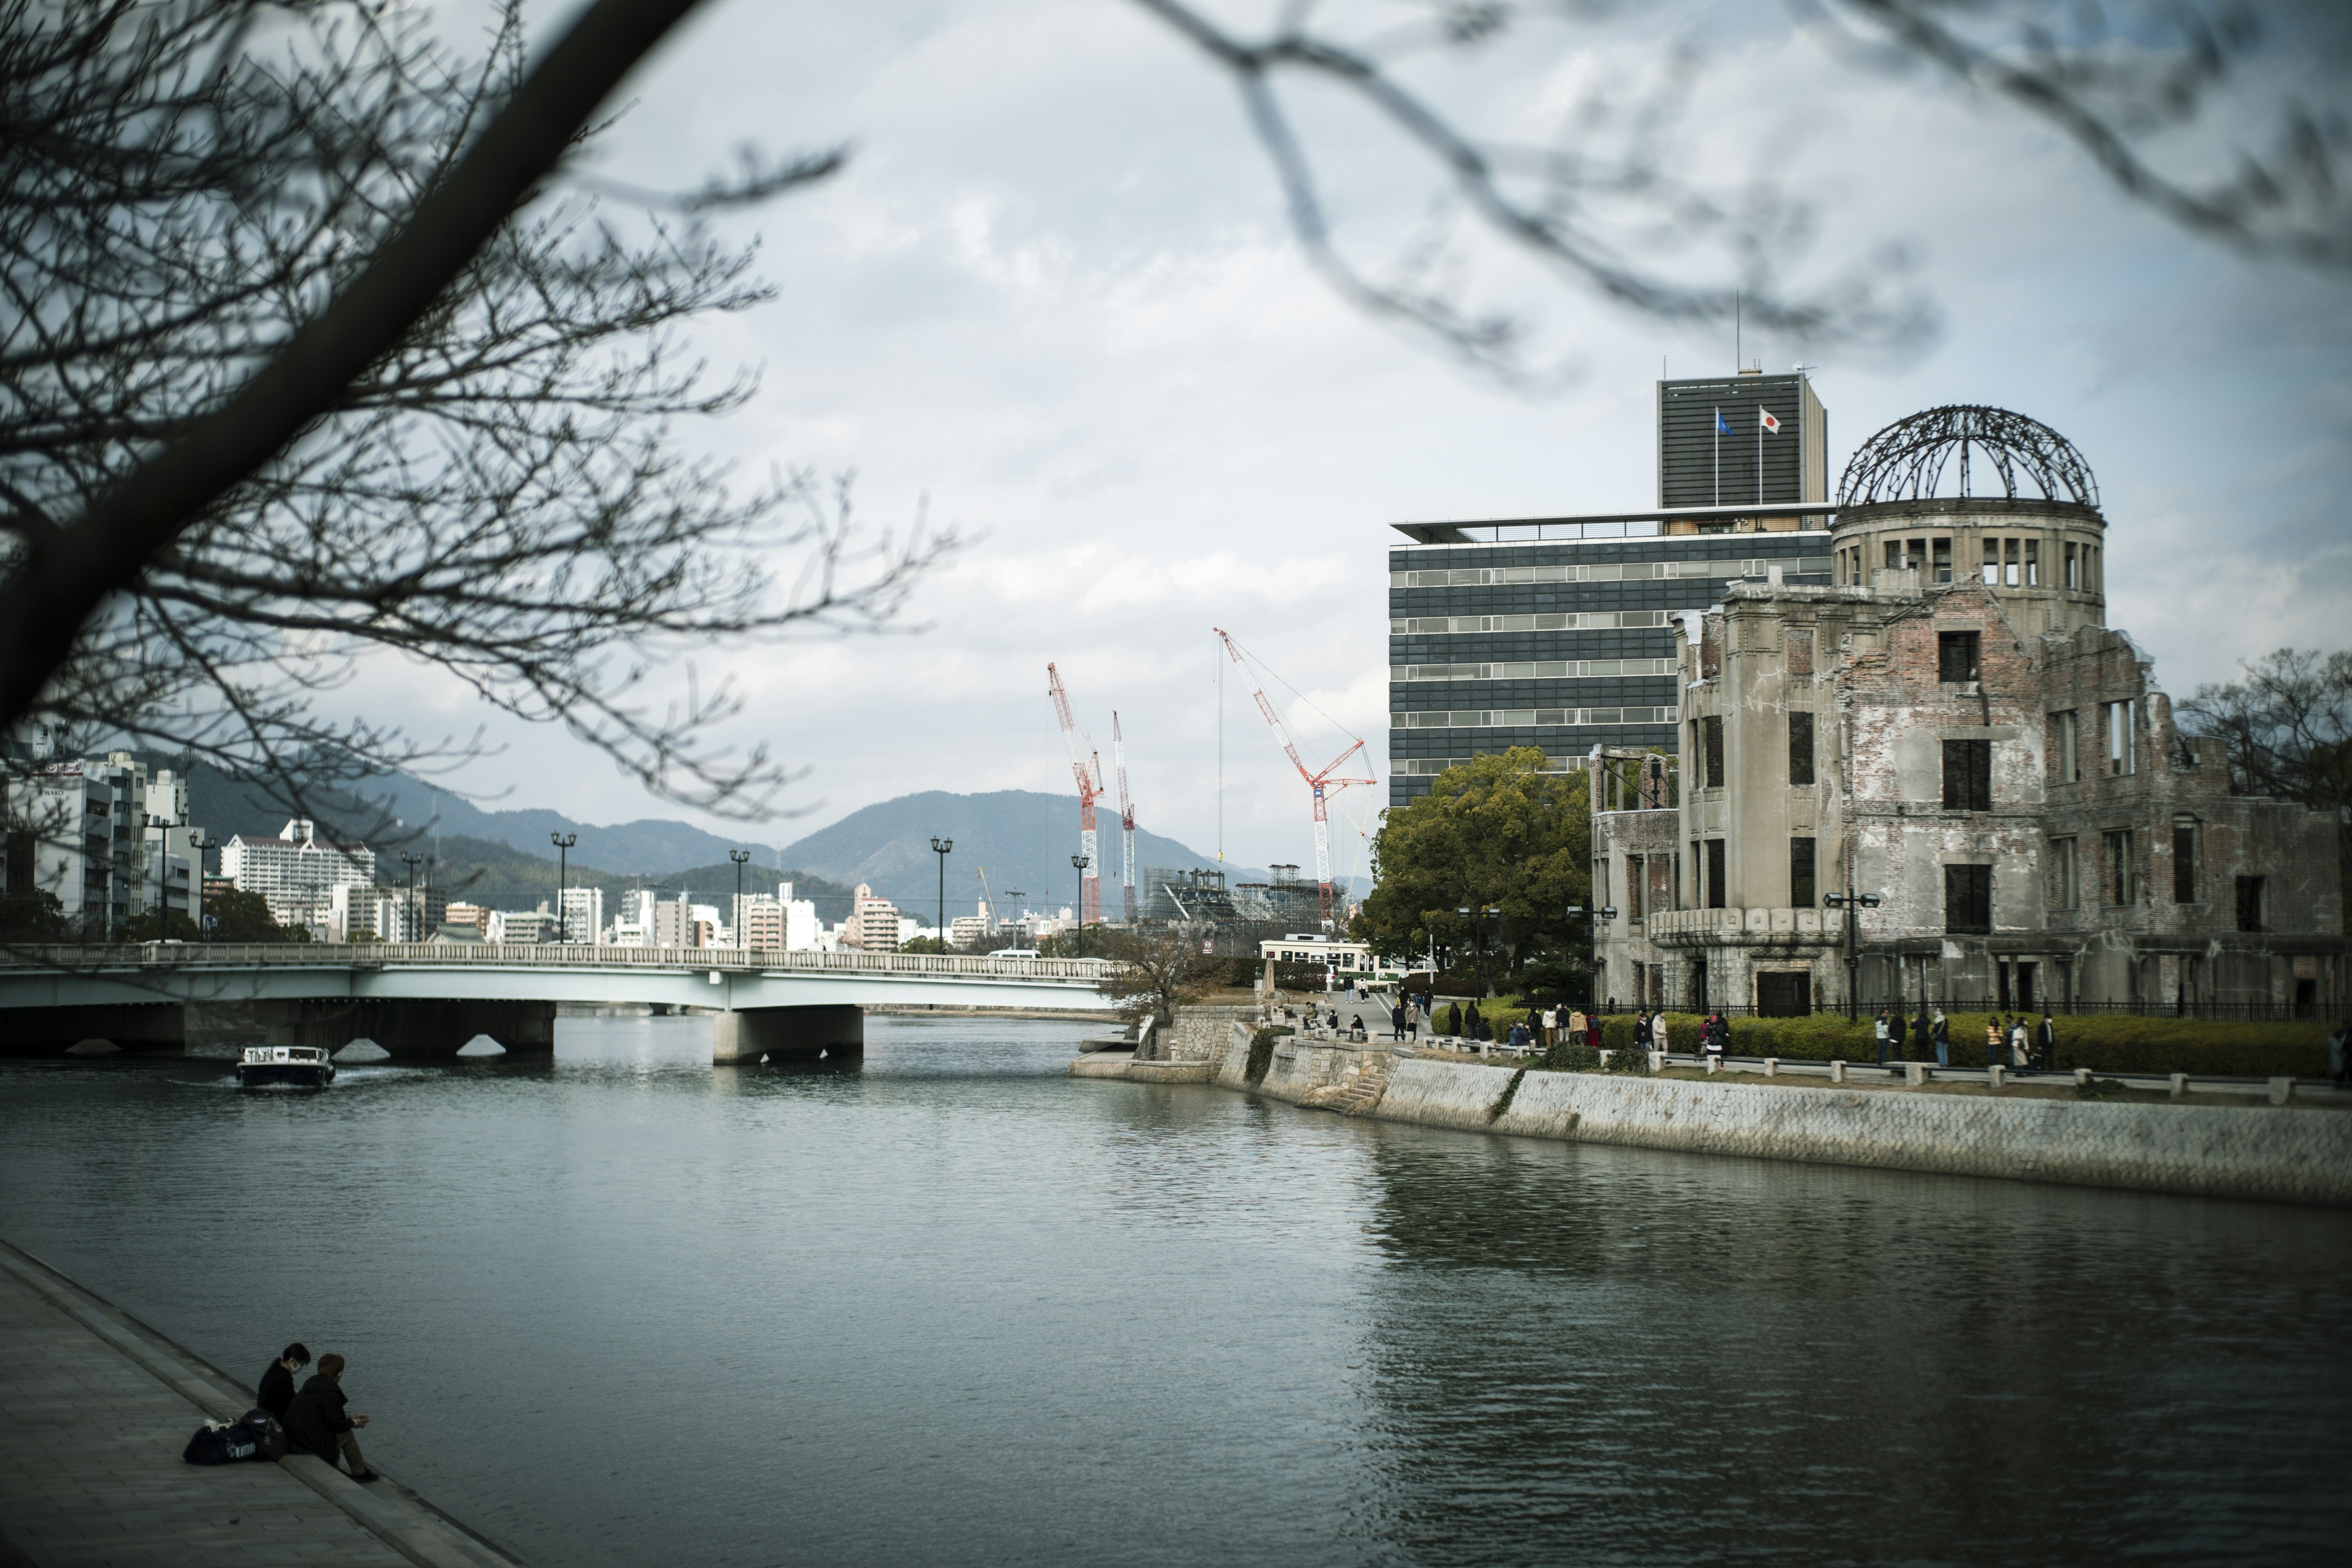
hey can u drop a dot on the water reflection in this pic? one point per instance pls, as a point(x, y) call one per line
point(953, 1305)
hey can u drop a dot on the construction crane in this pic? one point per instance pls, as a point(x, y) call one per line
point(1126, 820)
point(987, 901)
point(1322, 785)
point(1089, 787)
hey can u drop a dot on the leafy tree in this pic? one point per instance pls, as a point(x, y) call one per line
point(239, 915)
point(1160, 970)
point(34, 916)
point(1497, 832)
point(1086, 941)
point(160, 925)
point(921, 944)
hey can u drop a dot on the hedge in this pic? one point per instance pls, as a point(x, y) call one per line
point(2111, 1042)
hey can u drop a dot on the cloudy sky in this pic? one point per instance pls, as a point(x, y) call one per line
point(1054, 294)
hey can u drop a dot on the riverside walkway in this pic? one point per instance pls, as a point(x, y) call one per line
point(97, 1407)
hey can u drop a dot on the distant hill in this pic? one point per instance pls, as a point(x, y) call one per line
point(1024, 840)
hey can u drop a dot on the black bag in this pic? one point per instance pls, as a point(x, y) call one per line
point(214, 1444)
point(270, 1439)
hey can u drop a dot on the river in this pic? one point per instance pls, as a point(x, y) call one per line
point(958, 1308)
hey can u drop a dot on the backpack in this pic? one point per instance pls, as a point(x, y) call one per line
point(270, 1439)
point(216, 1444)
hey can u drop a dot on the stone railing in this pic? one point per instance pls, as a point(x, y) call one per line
point(1744, 927)
point(568, 955)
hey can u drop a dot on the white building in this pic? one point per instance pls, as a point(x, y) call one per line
point(584, 914)
point(758, 920)
point(523, 927)
point(803, 932)
point(69, 835)
point(297, 873)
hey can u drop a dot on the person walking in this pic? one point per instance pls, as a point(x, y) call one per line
point(1661, 1035)
point(1577, 1029)
point(2047, 1043)
point(1878, 1028)
point(1411, 1020)
point(2020, 1056)
point(1992, 1040)
point(1641, 1036)
point(2340, 1046)
point(1717, 1036)
point(1396, 1022)
point(1940, 1031)
point(317, 1423)
point(1894, 1033)
point(276, 1390)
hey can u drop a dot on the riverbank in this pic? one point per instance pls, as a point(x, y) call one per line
point(99, 1407)
point(2276, 1152)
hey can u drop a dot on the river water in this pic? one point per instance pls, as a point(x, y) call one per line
point(958, 1308)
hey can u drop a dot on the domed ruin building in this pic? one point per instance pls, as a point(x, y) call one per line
point(1948, 725)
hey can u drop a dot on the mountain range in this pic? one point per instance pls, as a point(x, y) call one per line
point(1023, 839)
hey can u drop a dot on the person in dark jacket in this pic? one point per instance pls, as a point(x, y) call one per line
point(316, 1421)
point(276, 1390)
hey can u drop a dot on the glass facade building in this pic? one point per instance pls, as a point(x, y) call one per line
point(1560, 633)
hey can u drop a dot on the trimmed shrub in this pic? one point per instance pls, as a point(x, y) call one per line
point(2107, 1042)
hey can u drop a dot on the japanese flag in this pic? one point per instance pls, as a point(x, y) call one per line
point(1764, 419)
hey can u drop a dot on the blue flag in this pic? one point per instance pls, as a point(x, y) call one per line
point(1720, 427)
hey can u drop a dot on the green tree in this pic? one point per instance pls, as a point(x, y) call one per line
point(1497, 832)
point(33, 917)
point(159, 925)
point(242, 916)
point(921, 944)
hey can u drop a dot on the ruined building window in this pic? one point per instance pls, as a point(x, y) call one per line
point(2063, 746)
point(1715, 873)
point(2065, 875)
point(2249, 903)
point(1634, 887)
point(2184, 862)
point(2009, 572)
point(1968, 900)
point(1710, 729)
point(1967, 775)
point(2123, 736)
point(2033, 564)
point(2123, 879)
point(1943, 560)
point(2074, 577)
point(1956, 655)
point(1801, 749)
point(1894, 555)
point(1803, 892)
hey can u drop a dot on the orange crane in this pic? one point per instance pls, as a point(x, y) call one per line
point(1322, 784)
point(1126, 820)
point(1089, 787)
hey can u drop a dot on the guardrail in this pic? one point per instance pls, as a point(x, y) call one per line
point(350, 955)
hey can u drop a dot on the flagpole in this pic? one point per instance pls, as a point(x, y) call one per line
point(1719, 456)
point(1759, 454)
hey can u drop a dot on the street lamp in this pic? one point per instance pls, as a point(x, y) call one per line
point(1013, 896)
point(738, 856)
point(942, 847)
point(1605, 912)
point(196, 843)
point(410, 919)
point(1080, 863)
point(1852, 903)
point(564, 843)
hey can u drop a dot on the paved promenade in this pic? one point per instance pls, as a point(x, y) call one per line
point(94, 1410)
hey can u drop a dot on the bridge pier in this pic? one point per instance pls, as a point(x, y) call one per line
point(424, 1028)
point(746, 1033)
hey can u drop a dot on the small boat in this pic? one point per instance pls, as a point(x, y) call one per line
point(301, 1067)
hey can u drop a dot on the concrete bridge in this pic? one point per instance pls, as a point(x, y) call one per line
point(425, 1000)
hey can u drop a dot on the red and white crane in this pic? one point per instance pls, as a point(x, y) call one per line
point(1089, 787)
point(1322, 784)
point(1125, 821)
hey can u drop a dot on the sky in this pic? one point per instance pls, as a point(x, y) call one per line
point(1054, 304)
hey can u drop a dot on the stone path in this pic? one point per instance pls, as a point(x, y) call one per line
point(94, 1409)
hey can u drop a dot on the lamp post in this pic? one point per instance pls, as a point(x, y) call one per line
point(942, 847)
point(196, 843)
point(738, 856)
point(564, 843)
point(1080, 863)
point(1852, 903)
point(1014, 896)
point(409, 920)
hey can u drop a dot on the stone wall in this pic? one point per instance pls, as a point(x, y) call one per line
point(2280, 1153)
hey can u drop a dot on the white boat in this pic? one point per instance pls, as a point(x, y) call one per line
point(303, 1067)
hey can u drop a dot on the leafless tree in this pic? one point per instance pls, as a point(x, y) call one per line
point(196, 196)
point(308, 350)
point(2287, 730)
point(1159, 968)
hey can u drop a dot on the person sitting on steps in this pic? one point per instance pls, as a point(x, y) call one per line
point(316, 1424)
point(276, 1390)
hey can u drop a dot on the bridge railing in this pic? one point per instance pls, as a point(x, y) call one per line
point(344, 955)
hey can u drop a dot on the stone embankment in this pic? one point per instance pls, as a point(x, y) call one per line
point(2277, 1152)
